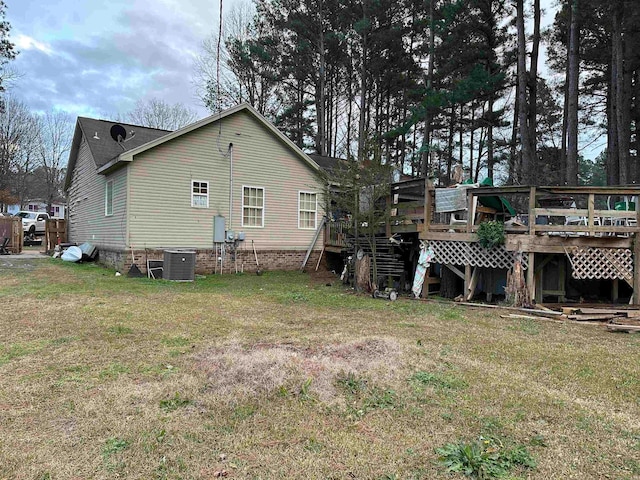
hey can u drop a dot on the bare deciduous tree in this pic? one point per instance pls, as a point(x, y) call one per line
point(18, 142)
point(218, 82)
point(156, 113)
point(56, 133)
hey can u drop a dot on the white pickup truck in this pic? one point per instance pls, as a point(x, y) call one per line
point(33, 222)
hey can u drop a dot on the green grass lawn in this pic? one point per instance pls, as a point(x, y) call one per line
point(283, 377)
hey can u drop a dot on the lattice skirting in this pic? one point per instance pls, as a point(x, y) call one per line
point(471, 253)
point(601, 263)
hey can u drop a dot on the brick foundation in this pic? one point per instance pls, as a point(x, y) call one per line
point(206, 264)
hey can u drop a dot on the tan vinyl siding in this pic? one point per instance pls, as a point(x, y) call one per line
point(87, 220)
point(160, 187)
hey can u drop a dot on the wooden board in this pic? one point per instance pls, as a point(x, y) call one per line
point(571, 310)
point(11, 227)
point(611, 311)
point(625, 321)
point(546, 244)
point(55, 232)
point(623, 328)
point(591, 317)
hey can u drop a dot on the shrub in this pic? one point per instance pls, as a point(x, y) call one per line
point(491, 234)
point(484, 458)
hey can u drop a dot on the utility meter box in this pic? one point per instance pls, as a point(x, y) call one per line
point(219, 228)
point(231, 236)
point(240, 236)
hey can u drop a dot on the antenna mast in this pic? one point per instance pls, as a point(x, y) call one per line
point(218, 99)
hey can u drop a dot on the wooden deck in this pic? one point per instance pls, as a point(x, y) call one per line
point(550, 220)
point(583, 228)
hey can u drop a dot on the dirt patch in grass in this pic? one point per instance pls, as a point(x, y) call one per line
point(324, 277)
point(263, 368)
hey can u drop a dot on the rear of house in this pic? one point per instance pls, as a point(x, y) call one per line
point(167, 193)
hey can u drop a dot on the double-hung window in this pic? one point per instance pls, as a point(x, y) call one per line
point(108, 198)
point(252, 206)
point(307, 210)
point(199, 194)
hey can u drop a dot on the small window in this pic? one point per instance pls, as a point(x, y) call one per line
point(108, 198)
point(199, 194)
point(307, 210)
point(252, 206)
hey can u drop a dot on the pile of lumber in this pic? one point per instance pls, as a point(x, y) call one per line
point(615, 319)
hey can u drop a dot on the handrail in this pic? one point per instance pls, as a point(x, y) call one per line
point(335, 233)
point(621, 222)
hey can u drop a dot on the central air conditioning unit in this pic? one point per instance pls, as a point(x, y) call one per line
point(179, 265)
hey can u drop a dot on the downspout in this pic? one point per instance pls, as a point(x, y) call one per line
point(230, 187)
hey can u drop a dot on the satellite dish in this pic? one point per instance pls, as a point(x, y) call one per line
point(118, 133)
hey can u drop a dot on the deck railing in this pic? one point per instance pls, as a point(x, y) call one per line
point(336, 233)
point(549, 220)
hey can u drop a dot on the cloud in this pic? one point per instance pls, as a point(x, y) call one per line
point(108, 59)
point(23, 42)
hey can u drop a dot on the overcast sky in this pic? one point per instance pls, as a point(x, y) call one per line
point(97, 58)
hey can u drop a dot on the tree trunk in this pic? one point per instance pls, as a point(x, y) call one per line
point(426, 143)
point(533, 76)
point(515, 161)
point(321, 136)
point(635, 114)
point(473, 130)
point(622, 96)
point(528, 157)
point(573, 65)
point(613, 158)
point(565, 118)
point(363, 92)
point(614, 164)
point(461, 136)
point(363, 274)
point(452, 126)
point(490, 139)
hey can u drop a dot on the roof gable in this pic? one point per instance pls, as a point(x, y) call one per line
point(108, 154)
point(97, 134)
point(128, 155)
point(104, 148)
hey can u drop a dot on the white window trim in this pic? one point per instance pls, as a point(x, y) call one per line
point(242, 206)
point(106, 198)
point(315, 220)
point(200, 194)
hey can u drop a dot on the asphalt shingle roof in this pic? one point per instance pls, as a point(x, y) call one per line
point(328, 164)
point(104, 148)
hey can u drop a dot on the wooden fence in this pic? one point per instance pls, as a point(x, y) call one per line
point(11, 227)
point(55, 232)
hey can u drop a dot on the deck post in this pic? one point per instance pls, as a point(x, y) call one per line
point(531, 277)
point(532, 208)
point(531, 267)
point(470, 210)
point(636, 270)
point(635, 299)
point(427, 204)
point(590, 221)
point(467, 282)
